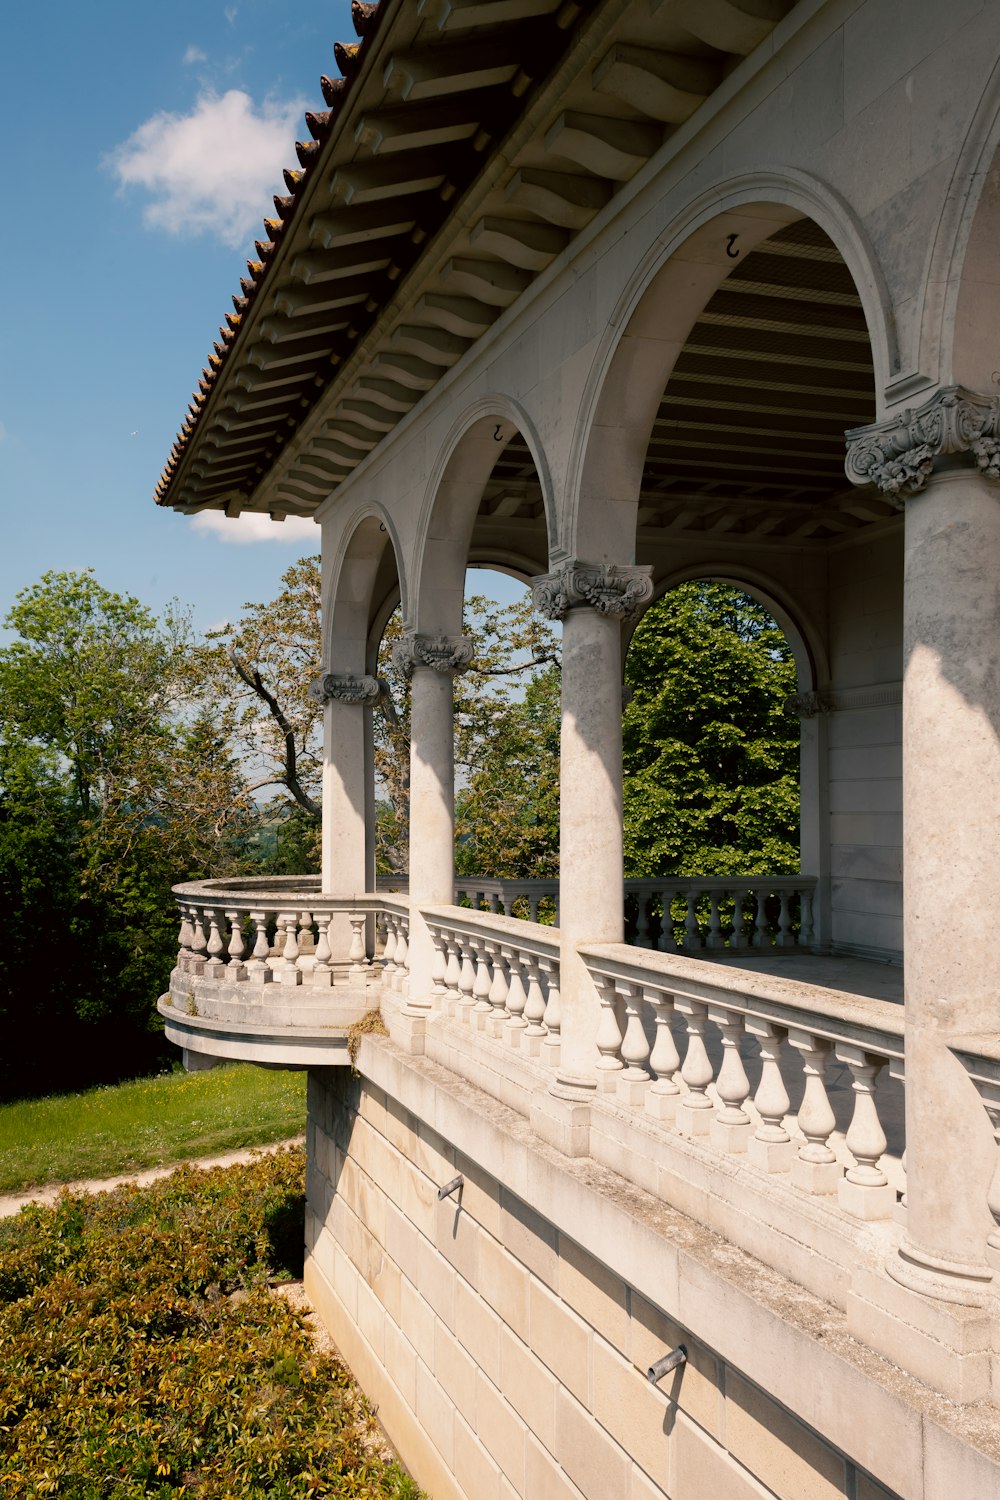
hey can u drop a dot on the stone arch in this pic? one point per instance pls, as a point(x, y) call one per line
point(365, 575)
point(451, 505)
point(803, 635)
point(670, 288)
point(961, 305)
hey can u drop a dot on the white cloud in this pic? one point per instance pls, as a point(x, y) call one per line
point(249, 528)
point(230, 13)
point(194, 55)
point(210, 170)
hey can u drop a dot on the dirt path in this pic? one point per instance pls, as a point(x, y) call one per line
point(13, 1203)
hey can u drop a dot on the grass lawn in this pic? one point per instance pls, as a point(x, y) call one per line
point(147, 1123)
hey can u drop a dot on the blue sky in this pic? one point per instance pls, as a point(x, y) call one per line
point(126, 132)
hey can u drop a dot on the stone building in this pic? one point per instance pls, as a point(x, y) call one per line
point(606, 293)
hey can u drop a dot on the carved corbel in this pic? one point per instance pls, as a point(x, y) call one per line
point(345, 687)
point(442, 653)
point(808, 705)
point(617, 591)
point(900, 453)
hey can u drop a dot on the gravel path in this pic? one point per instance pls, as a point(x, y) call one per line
point(13, 1203)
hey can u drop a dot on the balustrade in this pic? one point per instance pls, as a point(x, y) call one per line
point(499, 977)
point(704, 1087)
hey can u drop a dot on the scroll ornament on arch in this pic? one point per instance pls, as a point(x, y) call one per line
point(614, 590)
point(345, 687)
point(442, 653)
point(900, 453)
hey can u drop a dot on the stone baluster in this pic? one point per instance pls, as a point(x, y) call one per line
point(452, 974)
point(991, 1101)
point(762, 932)
point(715, 938)
point(533, 900)
point(609, 1036)
point(806, 928)
point(730, 1128)
point(498, 990)
point(467, 978)
point(322, 974)
point(494, 902)
point(389, 949)
point(694, 1112)
point(357, 954)
point(634, 1080)
point(786, 937)
point(534, 1008)
point(815, 1168)
point(214, 948)
point(258, 966)
point(739, 937)
point(289, 971)
point(642, 905)
point(865, 1191)
point(482, 1009)
point(692, 932)
point(770, 1147)
point(185, 937)
point(439, 968)
point(668, 943)
point(517, 997)
point(199, 942)
point(664, 1060)
point(549, 966)
point(235, 969)
point(403, 956)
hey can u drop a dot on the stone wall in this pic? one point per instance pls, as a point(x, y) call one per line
point(505, 1338)
point(865, 747)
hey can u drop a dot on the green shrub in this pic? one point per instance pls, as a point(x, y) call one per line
point(145, 1354)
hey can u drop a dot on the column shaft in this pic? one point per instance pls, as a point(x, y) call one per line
point(590, 848)
point(951, 782)
point(432, 814)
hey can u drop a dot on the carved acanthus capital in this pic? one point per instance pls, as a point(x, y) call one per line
point(900, 453)
point(345, 687)
point(808, 705)
point(442, 653)
point(619, 592)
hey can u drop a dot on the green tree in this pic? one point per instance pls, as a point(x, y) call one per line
point(116, 780)
point(711, 757)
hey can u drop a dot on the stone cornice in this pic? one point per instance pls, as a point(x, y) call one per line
point(620, 592)
point(442, 653)
point(345, 687)
point(900, 453)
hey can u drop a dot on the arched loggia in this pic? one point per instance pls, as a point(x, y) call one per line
point(488, 499)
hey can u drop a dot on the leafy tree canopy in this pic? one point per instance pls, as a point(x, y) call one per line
point(711, 756)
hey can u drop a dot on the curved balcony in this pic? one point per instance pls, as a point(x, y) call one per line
point(271, 970)
point(274, 972)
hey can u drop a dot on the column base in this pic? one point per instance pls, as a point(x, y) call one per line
point(866, 1202)
point(409, 1030)
point(661, 1106)
point(562, 1119)
point(945, 1344)
point(966, 1284)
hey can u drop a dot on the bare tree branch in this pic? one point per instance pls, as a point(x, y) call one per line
point(255, 683)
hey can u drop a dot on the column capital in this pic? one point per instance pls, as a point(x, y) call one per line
point(808, 705)
point(345, 687)
point(442, 653)
point(612, 589)
point(900, 453)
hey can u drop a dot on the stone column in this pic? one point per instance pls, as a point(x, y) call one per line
point(942, 462)
point(592, 600)
point(345, 865)
point(431, 662)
